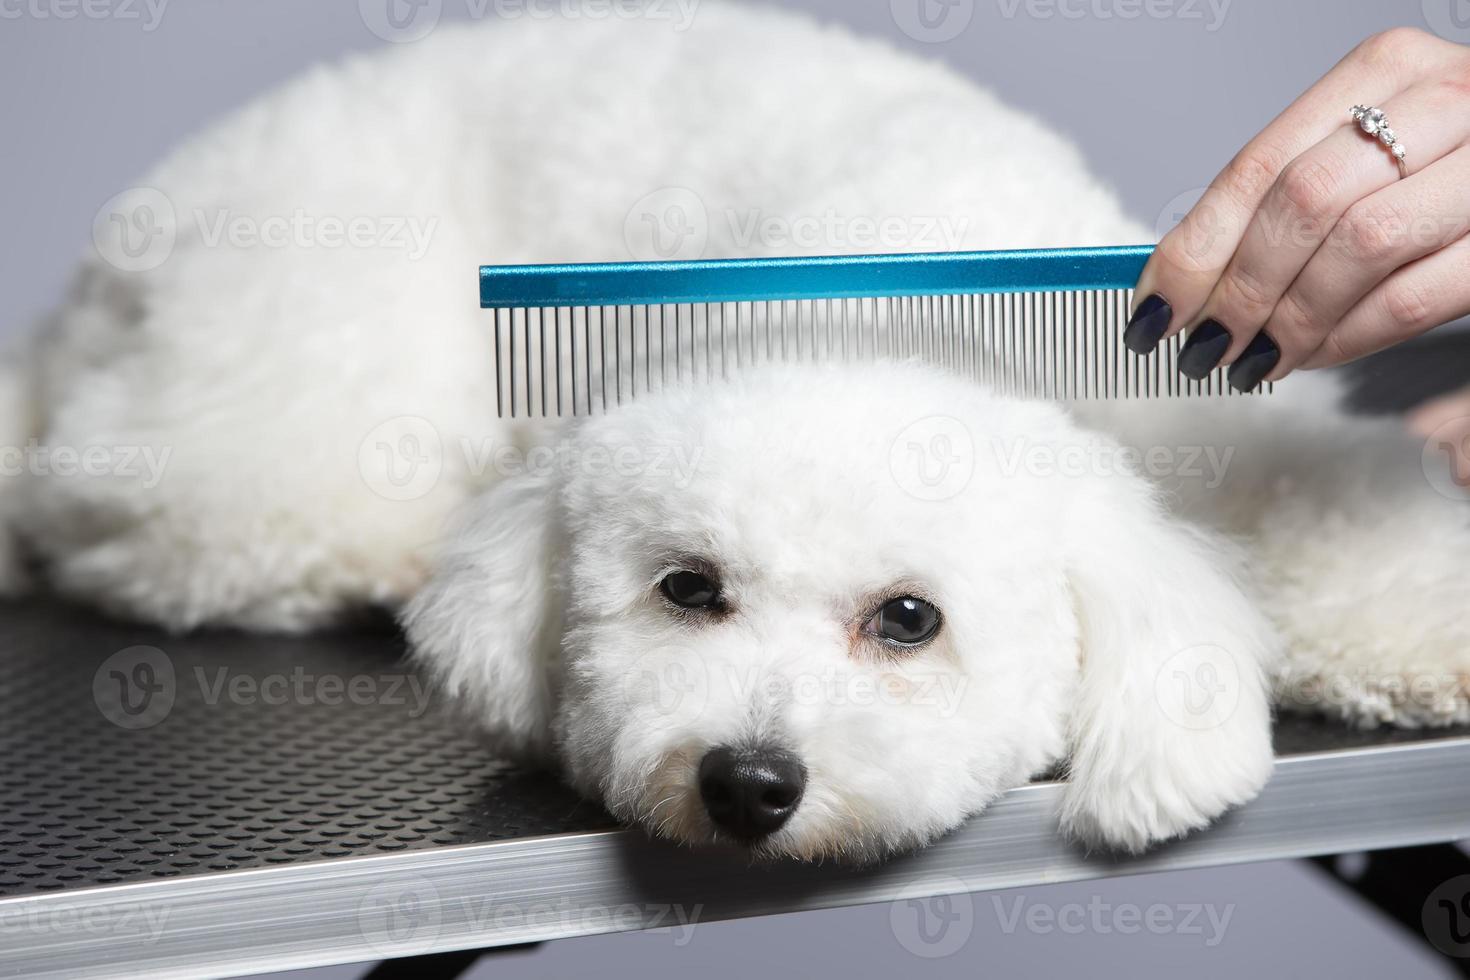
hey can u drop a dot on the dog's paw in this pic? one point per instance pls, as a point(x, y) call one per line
point(1141, 802)
point(485, 624)
point(1173, 724)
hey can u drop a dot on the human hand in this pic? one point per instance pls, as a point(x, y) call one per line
point(1312, 248)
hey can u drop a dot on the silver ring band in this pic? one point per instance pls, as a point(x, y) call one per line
point(1373, 122)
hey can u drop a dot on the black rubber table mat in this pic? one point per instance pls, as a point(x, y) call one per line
point(131, 754)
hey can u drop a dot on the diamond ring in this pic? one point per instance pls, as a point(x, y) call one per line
point(1375, 123)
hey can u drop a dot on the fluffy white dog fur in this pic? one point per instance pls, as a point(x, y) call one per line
point(1081, 610)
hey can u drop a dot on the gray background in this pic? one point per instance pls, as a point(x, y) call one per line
point(1158, 101)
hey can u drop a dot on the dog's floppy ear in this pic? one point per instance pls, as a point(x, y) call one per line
point(1172, 720)
point(487, 625)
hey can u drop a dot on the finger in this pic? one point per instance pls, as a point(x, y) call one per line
point(1449, 437)
point(1420, 296)
point(1444, 425)
point(1439, 412)
point(1300, 213)
point(1183, 270)
point(1400, 224)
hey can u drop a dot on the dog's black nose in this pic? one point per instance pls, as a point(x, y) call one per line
point(750, 793)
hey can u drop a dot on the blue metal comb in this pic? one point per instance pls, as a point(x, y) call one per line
point(574, 339)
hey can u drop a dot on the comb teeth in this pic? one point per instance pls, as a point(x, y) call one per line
point(580, 360)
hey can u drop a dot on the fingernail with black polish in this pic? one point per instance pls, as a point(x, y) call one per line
point(1207, 343)
point(1148, 325)
point(1258, 359)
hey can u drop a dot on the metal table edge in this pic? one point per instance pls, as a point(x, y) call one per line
point(561, 886)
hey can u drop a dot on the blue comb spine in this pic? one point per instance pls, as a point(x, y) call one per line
point(826, 277)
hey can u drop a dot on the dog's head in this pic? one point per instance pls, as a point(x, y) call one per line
point(827, 612)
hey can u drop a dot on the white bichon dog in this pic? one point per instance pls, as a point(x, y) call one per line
point(801, 643)
point(819, 611)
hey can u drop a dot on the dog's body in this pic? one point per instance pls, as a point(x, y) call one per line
point(278, 380)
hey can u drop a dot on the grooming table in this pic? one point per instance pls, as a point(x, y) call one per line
point(221, 804)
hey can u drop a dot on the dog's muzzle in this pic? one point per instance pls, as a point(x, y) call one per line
point(750, 793)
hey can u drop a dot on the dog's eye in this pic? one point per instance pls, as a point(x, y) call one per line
point(905, 621)
point(690, 590)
